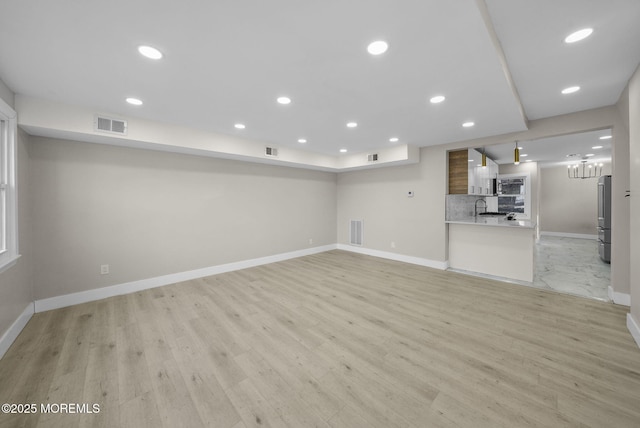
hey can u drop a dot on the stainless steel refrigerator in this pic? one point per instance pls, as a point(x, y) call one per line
point(604, 217)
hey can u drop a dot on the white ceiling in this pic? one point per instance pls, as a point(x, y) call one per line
point(531, 34)
point(227, 61)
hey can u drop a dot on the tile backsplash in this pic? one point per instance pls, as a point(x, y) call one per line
point(461, 206)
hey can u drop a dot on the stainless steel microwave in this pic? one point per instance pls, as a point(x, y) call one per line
point(510, 186)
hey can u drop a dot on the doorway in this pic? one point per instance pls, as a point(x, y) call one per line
point(572, 266)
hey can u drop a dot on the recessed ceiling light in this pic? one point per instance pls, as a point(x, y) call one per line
point(471, 160)
point(150, 52)
point(437, 99)
point(571, 90)
point(468, 124)
point(343, 150)
point(589, 155)
point(393, 139)
point(578, 35)
point(378, 47)
point(239, 126)
point(529, 160)
point(524, 155)
point(284, 100)
point(605, 137)
point(134, 101)
point(302, 140)
point(352, 125)
point(596, 147)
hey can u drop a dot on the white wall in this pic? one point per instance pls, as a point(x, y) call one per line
point(568, 205)
point(379, 198)
point(634, 145)
point(149, 213)
point(620, 212)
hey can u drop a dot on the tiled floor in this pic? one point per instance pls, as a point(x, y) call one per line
point(571, 266)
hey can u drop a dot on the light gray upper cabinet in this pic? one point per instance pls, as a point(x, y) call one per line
point(479, 178)
point(474, 177)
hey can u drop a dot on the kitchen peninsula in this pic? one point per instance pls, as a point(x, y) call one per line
point(481, 243)
point(492, 246)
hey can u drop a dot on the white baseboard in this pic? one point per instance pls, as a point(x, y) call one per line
point(12, 332)
point(393, 256)
point(570, 235)
point(619, 298)
point(145, 284)
point(634, 329)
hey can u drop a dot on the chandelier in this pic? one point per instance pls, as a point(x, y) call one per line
point(585, 170)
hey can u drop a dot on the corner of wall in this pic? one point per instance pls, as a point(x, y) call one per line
point(618, 298)
point(14, 330)
point(395, 256)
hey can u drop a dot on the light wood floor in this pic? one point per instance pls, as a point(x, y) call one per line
point(331, 340)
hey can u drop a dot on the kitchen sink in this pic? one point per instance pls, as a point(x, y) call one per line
point(492, 213)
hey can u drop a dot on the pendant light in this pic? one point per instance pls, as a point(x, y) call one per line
point(484, 158)
point(516, 155)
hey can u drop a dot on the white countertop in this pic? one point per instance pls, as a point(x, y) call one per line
point(499, 221)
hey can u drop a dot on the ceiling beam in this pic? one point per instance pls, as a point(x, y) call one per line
point(484, 12)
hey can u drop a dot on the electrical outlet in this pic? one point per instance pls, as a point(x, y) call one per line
point(104, 269)
point(310, 241)
point(393, 244)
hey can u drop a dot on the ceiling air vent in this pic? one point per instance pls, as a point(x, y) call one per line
point(271, 151)
point(373, 157)
point(107, 124)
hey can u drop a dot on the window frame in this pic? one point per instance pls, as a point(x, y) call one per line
point(527, 193)
point(8, 181)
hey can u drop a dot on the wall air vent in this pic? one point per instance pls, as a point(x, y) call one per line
point(355, 232)
point(373, 157)
point(107, 124)
point(271, 151)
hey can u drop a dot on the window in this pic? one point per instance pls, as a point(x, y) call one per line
point(8, 209)
point(511, 204)
point(514, 194)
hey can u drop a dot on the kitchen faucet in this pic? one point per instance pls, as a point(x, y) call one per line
point(475, 208)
